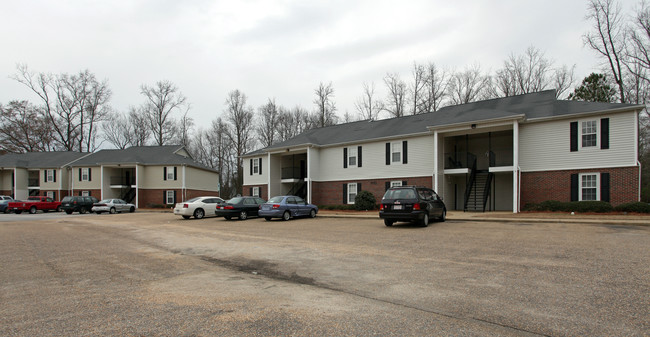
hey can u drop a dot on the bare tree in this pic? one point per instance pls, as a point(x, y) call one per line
point(435, 88)
point(185, 125)
point(563, 80)
point(240, 117)
point(367, 105)
point(116, 130)
point(293, 122)
point(212, 148)
point(162, 100)
point(326, 108)
point(138, 121)
point(267, 126)
point(396, 95)
point(608, 38)
point(24, 129)
point(417, 88)
point(468, 86)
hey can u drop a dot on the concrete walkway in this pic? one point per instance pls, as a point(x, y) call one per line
point(592, 218)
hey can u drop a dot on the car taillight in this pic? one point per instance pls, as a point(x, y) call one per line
point(416, 207)
point(276, 206)
point(381, 207)
point(228, 207)
point(185, 206)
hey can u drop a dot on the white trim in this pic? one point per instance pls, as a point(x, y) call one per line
point(350, 156)
point(101, 181)
point(580, 175)
point(502, 169)
point(400, 150)
point(457, 171)
point(256, 191)
point(183, 186)
point(515, 163)
point(137, 187)
point(581, 168)
point(87, 174)
point(395, 183)
point(435, 160)
point(308, 179)
point(636, 108)
point(356, 191)
point(169, 172)
point(268, 175)
point(507, 120)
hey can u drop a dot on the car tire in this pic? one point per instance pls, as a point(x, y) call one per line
point(7, 211)
point(388, 223)
point(227, 217)
point(286, 216)
point(425, 220)
point(32, 210)
point(58, 208)
point(112, 210)
point(312, 214)
point(443, 216)
point(243, 215)
point(132, 209)
point(18, 212)
point(68, 211)
point(83, 210)
point(186, 217)
point(268, 218)
point(199, 213)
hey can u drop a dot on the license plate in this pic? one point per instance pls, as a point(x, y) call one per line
point(397, 207)
point(266, 208)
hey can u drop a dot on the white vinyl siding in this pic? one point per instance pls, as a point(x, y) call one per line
point(545, 146)
point(420, 161)
point(256, 178)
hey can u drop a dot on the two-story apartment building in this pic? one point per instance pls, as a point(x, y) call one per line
point(496, 154)
point(143, 175)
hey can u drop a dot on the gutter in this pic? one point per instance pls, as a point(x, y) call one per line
point(635, 108)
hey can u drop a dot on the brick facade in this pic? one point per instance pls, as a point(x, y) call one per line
point(149, 197)
point(263, 190)
point(93, 193)
point(556, 185)
point(331, 192)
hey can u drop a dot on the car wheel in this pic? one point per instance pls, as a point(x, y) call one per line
point(186, 217)
point(443, 216)
point(227, 217)
point(132, 209)
point(18, 212)
point(199, 213)
point(312, 214)
point(425, 220)
point(83, 210)
point(286, 216)
point(388, 223)
point(32, 210)
point(68, 211)
point(58, 208)
point(268, 218)
point(243, 215)
point(7, 211)
point(112, 210)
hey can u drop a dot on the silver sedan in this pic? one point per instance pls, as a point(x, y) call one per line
point(112, 206)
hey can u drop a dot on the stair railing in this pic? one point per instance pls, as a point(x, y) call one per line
point(472, 178)
point(486, 190)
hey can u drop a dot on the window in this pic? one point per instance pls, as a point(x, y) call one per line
point(352, 156)
point(85, 193)
point(50, 194)
point(396, 152)
point(170, 173)
point(589, 186)
point(589, 133)
point(85, 176)
point(395, 183)
point(49, 175)
point(169, 199)
point(352, 192)
point(256, 192)
point(256, 166)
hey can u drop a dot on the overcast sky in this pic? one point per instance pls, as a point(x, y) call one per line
point(277, 49)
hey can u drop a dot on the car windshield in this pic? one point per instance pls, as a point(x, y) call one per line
point(105, 201)
point(67, 199)
point(235, 200)
point(276, 199)
point(401, 193)
point(192, 200)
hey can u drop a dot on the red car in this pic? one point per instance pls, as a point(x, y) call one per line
point(33, 204)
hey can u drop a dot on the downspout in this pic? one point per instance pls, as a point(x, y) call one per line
point(71, 175)
point(137, 190)
point(639, 196)
point(184, 188)
point(308, 175)
point(101, 181)
point(435, 161)
point(268, 176)
point(518, 189)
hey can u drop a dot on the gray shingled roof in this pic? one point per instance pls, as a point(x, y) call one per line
point(536, 105)
point(144, 155)
point(39, 159)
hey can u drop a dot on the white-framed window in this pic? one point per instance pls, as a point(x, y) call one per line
point(256, 165)
point(396, 183)
point(169, 195)
point(49, 194)
point(49, 175)
point(352, 156)
point(352, 192)
point(589, 133)
point(256, 191)
point(170, 173)
point(589, 186)
point(396, 152)
point(85, 176)
point(85, 193)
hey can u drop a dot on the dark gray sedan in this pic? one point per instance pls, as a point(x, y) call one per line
point(287, 207)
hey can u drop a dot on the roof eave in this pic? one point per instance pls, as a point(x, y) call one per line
point(635, 108)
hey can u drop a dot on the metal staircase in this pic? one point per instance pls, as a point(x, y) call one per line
point(478, 192)
point(128, 194)
point(299, 189)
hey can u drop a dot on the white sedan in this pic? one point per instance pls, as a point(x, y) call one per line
point(112, 206)
point(197, 207)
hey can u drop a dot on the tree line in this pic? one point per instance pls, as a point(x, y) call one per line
point(72, 112)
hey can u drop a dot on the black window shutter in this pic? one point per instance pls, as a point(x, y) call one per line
point(80, 175)
point(250, 192)
point(165, 173)
point(260, 165)
point(90, 177)
point(251, 164)
point(345, 157)
point(54, 175)
point(574, 187)
point(604, 187)
point(404, 183)
point(173, 201)
point(345, 194)
point(405, 152)
point(164, 198)
point(358, 156)
point(574, 136)
point(604, 133)
point(80, 193)
point(387, 153)
point(44, 176)
point(387, 185)
point(358, 187)
point(174, 178)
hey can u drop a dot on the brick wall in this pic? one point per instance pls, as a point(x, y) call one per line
point(263, 190)
point(148, 197)
point(556, 185)
point(93, 193)
point(331, 192)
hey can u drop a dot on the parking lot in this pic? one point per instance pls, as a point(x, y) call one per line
point(156, 274)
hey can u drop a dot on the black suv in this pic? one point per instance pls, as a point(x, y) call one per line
point(81, 204)
point(411, 203)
